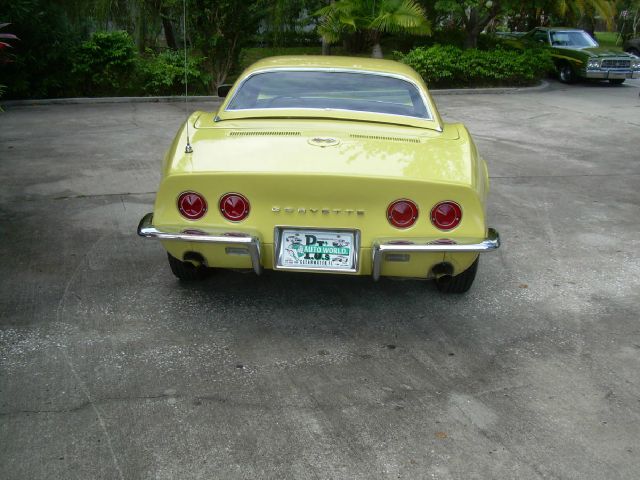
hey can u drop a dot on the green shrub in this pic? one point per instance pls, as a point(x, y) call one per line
point(448, 66)
point(163, 73)
point(105, 64)
point(40, 62)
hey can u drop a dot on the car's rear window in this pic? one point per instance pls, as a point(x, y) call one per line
point(329, 90)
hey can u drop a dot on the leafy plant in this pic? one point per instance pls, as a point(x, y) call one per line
point(5, 36)
point(163, 73)
point(373, 18)
point(3, 56)
point(105, 63)
point(218, 30)
point(448, 66)
point(41, 65)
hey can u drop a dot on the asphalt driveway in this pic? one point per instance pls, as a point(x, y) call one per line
point(110, 368)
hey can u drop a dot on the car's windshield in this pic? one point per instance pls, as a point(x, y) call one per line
point(572, 39)
point(329, 90)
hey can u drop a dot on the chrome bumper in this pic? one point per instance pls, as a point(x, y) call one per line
point(492, 242)
point(252, 243)
point(612, 74)
point(146, 229)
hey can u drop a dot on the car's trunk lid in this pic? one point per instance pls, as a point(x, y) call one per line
point(350, 149)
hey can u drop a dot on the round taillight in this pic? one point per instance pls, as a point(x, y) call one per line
point(234, 207)
point(446, 215)
point(402, 213)
point(192, 205)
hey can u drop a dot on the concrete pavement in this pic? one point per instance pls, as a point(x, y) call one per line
point(109, 368)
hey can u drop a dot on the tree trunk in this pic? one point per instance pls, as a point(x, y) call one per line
point(139, 32)
point(587, 23)
point(326, 47)
point(169, 34)
point(471, 39)
point(474, 24)
point(376, 36)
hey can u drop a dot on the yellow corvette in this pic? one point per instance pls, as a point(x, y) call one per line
point(324, 164)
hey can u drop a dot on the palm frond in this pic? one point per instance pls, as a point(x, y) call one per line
point(395, 16)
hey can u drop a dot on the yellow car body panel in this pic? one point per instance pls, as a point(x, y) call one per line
point(292, 179)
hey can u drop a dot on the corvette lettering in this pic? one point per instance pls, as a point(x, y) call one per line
point(325, 211)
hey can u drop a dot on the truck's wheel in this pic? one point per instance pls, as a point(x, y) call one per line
point(460, 283)
point(566, 73)
point(187, 271)
point(616, 81)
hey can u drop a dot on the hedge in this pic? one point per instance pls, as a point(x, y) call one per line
point(450, 67)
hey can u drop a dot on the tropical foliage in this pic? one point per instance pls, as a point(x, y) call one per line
point(373, 18)
point(108, 47)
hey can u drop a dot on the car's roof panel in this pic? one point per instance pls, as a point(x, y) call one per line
point(329, 61)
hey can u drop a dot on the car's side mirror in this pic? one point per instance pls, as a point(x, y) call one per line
point(223, 90)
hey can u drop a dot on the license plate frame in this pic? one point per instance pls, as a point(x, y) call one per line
point(283, 258)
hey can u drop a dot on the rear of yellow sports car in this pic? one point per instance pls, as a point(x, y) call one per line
point(303, 192)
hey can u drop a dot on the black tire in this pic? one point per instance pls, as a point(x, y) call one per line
point(616, 81)
point(460, 283)
point(566, 73)
point(187, 271)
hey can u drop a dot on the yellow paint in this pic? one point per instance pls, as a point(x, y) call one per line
point(359, 173)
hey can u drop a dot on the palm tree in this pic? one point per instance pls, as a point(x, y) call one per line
point(373, 18)
point(582, 12)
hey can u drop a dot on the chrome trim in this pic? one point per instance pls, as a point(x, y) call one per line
point(277, 237)
point(429, 117)
point(252, 243)
point(614, 74)
point(492, 242)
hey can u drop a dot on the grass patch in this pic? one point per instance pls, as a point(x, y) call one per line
point(609, 40)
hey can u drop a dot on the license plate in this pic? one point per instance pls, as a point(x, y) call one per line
point(310, 249)
point(617, 75)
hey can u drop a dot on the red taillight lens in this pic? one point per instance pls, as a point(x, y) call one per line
point(446, 215)
point(192, 205)
point(402, 213)
point(234, 207)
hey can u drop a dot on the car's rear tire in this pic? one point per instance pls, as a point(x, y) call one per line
point(187, 271)
point(616, 81)
point(566, 73)
point(460, 283)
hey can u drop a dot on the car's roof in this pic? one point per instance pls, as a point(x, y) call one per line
point(328, 62)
